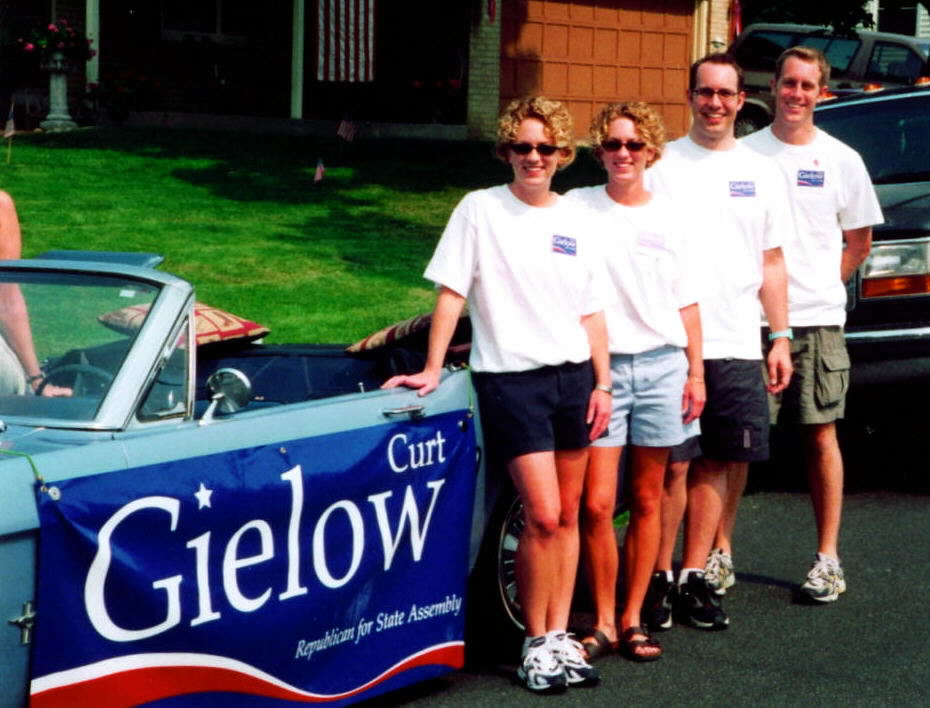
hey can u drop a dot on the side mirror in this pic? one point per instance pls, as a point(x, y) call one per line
point(230, 390)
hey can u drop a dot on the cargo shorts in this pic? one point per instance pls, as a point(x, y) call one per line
point(817, 392)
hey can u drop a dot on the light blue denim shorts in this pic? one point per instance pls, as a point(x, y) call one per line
point(647, 399)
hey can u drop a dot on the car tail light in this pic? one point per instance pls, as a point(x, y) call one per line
point(897, 269)
point(871, 87)
point(922, 81)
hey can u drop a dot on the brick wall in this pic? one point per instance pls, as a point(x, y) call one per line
point(718, 26)
point(484, 73)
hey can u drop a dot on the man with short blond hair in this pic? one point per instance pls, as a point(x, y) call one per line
point(834, 204)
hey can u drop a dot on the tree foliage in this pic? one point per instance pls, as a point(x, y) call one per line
point(841, 15)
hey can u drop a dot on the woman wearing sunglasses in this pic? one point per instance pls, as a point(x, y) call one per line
point(524, 259)
point(654, 336)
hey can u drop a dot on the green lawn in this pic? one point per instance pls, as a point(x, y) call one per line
point(240, 216)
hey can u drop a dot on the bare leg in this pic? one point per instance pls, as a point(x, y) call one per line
point(597, 535)
point(549, 484)
point(736, 486)
point(825, 475)
point(644, 533)
point(570, 468)
point(707, 485)
point(674, 502)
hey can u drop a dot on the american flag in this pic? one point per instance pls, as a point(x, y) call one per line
point(345, 40)
point(10, 128)
point(346, 130)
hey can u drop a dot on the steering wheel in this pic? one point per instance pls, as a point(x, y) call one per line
point(79, 370)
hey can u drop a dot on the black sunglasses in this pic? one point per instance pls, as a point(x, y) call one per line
point(544, 149)
point(613, 145)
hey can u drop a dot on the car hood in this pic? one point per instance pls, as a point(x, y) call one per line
point(906, 208)
point(30, 453)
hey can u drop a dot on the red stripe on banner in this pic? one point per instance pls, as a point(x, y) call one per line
point(345, 40)
point(134, 686)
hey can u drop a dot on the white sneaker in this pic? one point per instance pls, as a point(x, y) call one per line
point(718, 572)
point(539, 669)
point(826, 581)
point(570, 654)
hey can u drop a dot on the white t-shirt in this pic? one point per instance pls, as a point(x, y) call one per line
point(830, 192)
point(529, 273)
point(736, 206)
point(648, 273)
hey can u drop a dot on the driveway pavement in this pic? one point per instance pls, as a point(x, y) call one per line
point(871, 648)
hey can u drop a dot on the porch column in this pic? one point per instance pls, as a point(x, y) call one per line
point(297, 61)
point(92, 30)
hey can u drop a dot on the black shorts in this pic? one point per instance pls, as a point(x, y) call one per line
point(686, 451)
point(534, 411)
point(735, 421)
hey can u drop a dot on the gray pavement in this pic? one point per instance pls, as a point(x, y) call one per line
point(871, 648)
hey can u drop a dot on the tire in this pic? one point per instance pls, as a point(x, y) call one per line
point(494, 623)
point(749, 121)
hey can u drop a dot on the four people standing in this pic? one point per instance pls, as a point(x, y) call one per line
point(554, 283)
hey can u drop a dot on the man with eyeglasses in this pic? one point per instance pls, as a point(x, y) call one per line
point(739, 214)
point(834, 203)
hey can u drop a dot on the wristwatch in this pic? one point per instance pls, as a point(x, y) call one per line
point(603, 387)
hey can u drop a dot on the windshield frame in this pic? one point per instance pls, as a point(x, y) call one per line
point(117, 408)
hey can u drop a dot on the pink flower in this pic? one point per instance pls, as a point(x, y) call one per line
point(29, 47)
point(63, 21)
point(52, 28)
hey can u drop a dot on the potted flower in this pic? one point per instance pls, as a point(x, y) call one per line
point(58, 45)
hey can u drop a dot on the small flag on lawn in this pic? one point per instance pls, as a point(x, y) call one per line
point(10, 128)
point(346, 130)
point(320, 171)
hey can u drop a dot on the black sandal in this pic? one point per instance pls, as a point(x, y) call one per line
point(597, 645)
point(632, 648)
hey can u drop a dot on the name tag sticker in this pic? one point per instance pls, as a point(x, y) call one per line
point(810, 178)
point(651, 241)
point(742, 188)
point(565, 245)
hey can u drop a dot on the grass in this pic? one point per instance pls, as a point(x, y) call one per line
point(241, 217)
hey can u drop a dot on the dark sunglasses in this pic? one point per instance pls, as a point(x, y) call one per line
point(613, 145)
point(544, 149)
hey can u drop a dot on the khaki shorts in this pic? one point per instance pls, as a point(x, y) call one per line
point(817, 392)
point(12, 376)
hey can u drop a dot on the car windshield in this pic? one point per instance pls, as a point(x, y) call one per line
point(761, 49)
point(892, 136)
point(78, 328)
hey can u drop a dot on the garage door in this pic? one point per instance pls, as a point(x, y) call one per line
point(591, 52)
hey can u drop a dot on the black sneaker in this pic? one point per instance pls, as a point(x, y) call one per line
point(698, 606)
point(660, 598)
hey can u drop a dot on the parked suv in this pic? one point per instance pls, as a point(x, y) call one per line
point(888, 325)
point(857, 59)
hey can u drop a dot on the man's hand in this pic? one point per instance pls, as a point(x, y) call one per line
point(693, 399)
point(779, 365)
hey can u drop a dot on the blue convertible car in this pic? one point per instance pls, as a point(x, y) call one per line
point(225, 523)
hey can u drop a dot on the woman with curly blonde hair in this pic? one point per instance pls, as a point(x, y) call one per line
point(523, 258)
point(654, 338)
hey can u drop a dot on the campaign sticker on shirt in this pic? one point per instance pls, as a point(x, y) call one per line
point(565, 245)
point(742, 188)
point(651, 241)
point(810, 178)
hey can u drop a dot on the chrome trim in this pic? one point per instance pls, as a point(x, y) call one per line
point(877, 335)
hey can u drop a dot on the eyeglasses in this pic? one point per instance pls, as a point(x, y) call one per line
point(544, 149)
point(613, 145)
point(708, 93)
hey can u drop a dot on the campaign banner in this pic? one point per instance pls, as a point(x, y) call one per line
point(320, 570)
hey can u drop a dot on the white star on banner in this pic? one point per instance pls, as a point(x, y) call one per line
point(203, 496)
